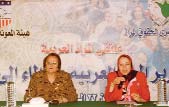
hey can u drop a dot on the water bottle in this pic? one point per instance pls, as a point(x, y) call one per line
point(10, 94)
point(11, 91)
point(162, 91)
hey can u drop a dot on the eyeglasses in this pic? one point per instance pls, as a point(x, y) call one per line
point(51, 63)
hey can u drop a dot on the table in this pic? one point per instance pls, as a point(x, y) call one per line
point(89, 104)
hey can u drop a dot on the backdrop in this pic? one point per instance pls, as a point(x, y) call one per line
point(89, 35)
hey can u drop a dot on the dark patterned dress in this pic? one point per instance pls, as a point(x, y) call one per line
point(40, 86)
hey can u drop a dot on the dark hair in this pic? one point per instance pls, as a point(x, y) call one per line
point(126, 56)
point(55, 55)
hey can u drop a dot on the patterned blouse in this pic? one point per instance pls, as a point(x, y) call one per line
point(40, 86)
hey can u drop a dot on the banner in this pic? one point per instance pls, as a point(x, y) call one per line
point(89, 35)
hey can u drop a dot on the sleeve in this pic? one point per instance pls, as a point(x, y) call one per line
point(143, 89)
point(31, 90)
point(116, 94)
point(70, 91)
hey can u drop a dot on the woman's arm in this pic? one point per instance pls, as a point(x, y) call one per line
point(112, 93)
point(31, 90)
point(142, 94)
point(69, 92)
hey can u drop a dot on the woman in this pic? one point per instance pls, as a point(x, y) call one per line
point(126, 84)
point(52, 84)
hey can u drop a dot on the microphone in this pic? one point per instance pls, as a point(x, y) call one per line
point(121, 82)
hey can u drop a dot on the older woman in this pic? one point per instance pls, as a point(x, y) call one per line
point(126, 84)
point(52, 84)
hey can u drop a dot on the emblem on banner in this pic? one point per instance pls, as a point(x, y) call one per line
point(164, 7)
point(5, 13)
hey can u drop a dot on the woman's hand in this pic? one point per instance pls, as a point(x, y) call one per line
point(60, 100)
point(117, 80)
point(63, 100)
point(137, 97)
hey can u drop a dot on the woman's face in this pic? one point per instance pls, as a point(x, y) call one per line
point(52, 64)
point(138, 14)
point(124, 65)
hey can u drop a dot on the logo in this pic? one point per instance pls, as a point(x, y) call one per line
point(159, 12)
point(5, 13)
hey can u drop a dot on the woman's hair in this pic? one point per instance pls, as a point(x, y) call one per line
point(126, 56)
point(55, 55)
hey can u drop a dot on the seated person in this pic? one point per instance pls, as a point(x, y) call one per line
point(52, 84)
point(126, 84)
